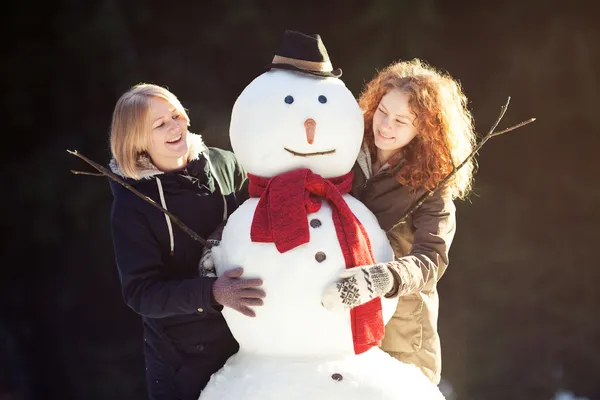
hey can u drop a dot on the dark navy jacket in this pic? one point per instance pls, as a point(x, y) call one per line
point(186, 338)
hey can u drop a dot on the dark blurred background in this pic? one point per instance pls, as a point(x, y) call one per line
point(519, 307)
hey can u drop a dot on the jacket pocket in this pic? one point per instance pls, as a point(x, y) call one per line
point(189, 338)
point(410, 305)
point(208, 337)
point(404, 331)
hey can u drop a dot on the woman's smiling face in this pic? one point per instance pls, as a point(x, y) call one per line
point(169, 133)
point(393, 122)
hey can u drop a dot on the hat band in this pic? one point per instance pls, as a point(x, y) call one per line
point(323, 66)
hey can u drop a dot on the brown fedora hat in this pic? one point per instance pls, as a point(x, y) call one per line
point(303, 53)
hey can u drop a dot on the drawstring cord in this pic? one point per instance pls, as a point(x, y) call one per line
point(164, 204)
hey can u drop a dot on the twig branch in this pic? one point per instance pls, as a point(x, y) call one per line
point(489, 135)
point(86, 173)
point(530, 120)
point(106, 172)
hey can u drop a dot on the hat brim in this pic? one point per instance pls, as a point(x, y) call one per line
point(336, 73)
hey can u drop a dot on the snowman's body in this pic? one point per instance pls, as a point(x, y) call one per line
point(294, 348)
point(292, 322)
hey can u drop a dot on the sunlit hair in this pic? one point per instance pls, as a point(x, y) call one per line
point(444, 124)
point(130, 133)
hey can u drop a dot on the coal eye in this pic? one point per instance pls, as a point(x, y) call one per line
point(322, 99)
point(289, 99)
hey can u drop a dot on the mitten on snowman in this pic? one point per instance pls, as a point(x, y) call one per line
point(360, 285)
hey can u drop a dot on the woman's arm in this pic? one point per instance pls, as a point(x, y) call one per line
point(434, 228)
point(139, 261)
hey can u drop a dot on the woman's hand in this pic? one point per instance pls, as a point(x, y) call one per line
point(207, 264)
point(357, 286)
point(231, 291)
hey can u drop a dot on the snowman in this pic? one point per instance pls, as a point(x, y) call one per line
point(297, 131)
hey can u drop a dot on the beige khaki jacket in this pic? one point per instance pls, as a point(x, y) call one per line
point(421, 246)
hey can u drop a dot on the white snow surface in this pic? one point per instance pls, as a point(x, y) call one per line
point(373, 375)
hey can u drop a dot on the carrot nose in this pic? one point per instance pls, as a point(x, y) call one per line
point(310, 125)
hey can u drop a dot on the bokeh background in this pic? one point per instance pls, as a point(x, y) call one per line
point(519, 303)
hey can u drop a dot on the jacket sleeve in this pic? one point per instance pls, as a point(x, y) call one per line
point(241, 183)
point(230, 171)
point(139, 261)
point(434, 226)
point(242, 193)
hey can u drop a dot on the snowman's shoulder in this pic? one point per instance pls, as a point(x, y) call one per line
point(353, 202)
point(360, 210)
point(245, 212)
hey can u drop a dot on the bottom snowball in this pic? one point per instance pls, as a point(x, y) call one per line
point(373, 375)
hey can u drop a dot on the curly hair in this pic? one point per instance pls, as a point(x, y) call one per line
point(444, 124)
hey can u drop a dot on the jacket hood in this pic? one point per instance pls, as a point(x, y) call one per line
point(147, 167)
point(364, 161)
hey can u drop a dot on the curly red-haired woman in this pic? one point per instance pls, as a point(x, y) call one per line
point(417, 129)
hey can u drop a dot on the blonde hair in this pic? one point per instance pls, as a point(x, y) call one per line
point(130, 131)
point(445, 126)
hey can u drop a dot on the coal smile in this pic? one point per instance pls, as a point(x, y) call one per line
point(318, 153)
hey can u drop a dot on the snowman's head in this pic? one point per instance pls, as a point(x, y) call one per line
point(285, 120)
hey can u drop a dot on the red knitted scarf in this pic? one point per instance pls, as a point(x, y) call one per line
point(281, 218)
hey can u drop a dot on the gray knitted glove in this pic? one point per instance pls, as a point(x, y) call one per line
point(206, 266)
point(357, 286)
point(231, 291)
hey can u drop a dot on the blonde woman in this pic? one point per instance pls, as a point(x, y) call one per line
point(186, 338)
point(417, 128)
